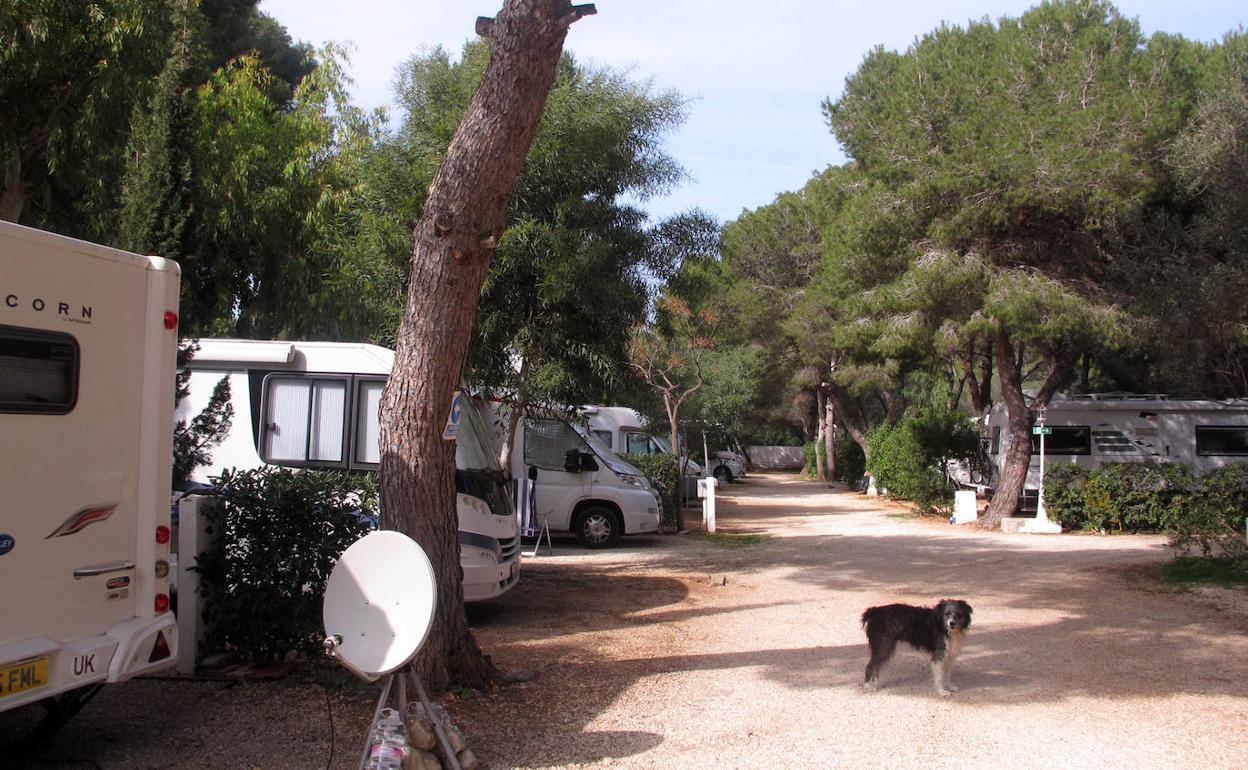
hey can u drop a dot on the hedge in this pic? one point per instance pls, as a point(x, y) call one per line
point(1204, 514)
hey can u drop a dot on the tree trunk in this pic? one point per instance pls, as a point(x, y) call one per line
point(1017, 438)
point(673, 415)
point(13, 192)
point(829, 437)
point(821, 410)
point(509, 436)
point(463, 219)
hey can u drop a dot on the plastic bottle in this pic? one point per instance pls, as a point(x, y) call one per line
point(387, 742)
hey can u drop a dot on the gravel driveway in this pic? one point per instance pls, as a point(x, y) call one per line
point(679, 652)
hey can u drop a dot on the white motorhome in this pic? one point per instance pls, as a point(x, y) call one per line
point(88, 340)
point(315, 405)
point(1101, 428)
point(627, 431)
point(579, 484)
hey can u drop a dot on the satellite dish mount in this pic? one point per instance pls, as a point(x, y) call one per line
point(379, 605)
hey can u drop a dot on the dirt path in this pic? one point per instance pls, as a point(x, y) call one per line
point(646, 660)
point(676, 652)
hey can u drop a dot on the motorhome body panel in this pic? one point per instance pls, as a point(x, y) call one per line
point(260, 372)
point(1093, 431)
point(540, 446)
point(87, 473)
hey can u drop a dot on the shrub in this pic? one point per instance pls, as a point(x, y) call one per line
point(851, 463)
point(1213, 521)
point(1205, 514)
point(662, 473)
point(900, 465)
point(277, 535)
point(812, 460)
point(908, 459)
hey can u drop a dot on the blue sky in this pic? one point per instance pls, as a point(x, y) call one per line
point(755, 72)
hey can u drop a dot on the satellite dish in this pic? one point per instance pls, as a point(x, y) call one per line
point(379, 604)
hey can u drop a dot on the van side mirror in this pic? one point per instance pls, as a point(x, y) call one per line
point(532, 473)
point(575, 461)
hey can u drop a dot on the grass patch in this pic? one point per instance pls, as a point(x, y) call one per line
point(1192, 570)
point(732, 540)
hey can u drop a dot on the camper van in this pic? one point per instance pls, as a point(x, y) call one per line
point(626, 431)
point(88, 340)
point(315, 405)
point(1101, 428)
point(579, 484)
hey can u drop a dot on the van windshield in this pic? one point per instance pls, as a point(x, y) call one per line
point(612, 460)
point(475, 449)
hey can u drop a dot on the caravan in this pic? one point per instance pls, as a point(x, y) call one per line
point(1102, 428)
point(578, 484)
point(626, 431)
point(88, 339)
point(315, 405)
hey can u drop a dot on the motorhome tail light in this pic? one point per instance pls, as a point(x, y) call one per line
point(162, 535)
point(162, 569)
point(162, 603)
point(171, 319)
point(160, 650)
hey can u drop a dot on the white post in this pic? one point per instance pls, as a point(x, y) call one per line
point(193, 539)
point(706, 488)
point(1041, 524)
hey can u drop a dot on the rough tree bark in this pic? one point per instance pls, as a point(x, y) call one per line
point(463, 219)
point(829, 437)
point(1020, 416)
point(821, 442)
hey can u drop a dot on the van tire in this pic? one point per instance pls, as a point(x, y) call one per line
point(723, 475)
point(597, 526)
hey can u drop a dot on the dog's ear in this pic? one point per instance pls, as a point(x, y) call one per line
point(967, 609)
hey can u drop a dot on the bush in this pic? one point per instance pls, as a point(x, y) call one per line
point(277, 535)
point(811, 450)
point(1214, 521)
point(662, 473)
point(1205, 514)
point(851, 463)
point(908, 459)
point(900, 466)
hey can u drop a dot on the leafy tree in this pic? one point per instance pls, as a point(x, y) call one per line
point(1022, 142)
point(668, 356)
point(70, 73)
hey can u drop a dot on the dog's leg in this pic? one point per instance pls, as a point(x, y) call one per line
point(940, 675)
point(881, 651)
point(951, 654)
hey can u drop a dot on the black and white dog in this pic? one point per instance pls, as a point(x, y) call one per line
point(936, 630)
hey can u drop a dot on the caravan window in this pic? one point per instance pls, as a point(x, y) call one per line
point(368, 422)
point(38, 371)
point(604, 436)
point(305, 421)
point(1221, 440)
point(1065, 440)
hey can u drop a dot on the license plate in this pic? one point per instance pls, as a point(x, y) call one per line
point(23, 676)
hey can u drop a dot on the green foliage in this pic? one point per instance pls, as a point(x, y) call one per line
point(276, 537)
point(1215, 519)
point(1200, 514)
point(898, 463)
point(851, 462)
point(909, 458)
point(662, 471)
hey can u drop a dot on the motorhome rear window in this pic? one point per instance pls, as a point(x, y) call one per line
point(1065, 440)
point(305, 421)
point(1221, 440)
point(38, 371)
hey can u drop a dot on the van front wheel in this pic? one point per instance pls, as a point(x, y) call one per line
point(598, 527)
